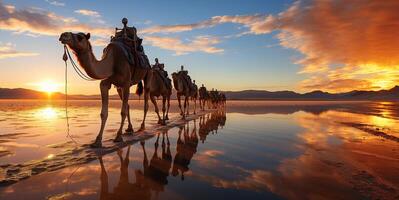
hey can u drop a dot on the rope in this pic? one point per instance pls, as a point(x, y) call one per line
point(65, 58)
point(75, 66)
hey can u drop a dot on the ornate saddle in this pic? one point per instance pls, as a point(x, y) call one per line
point(131, 45)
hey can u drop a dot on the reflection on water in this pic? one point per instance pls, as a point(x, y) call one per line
point(257, 150)
point(47, 113)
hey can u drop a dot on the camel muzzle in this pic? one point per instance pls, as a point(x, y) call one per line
point(64, 38)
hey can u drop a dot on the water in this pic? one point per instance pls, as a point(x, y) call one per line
point(251, 150)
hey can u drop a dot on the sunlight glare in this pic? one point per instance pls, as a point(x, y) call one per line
point(48, 86)
point(47, 113)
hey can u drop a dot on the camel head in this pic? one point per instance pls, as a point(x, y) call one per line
point(78, 42)
point(175, 78)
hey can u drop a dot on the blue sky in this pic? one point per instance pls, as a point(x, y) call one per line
point(278, 34)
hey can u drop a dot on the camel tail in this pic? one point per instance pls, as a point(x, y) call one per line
point(140, 88)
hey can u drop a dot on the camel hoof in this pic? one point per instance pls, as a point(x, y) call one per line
point(96, 145)
point(159, 121)
point(163, 123)
point(142, 128)
point(129, 130)
point(166, 118)
point(118, 138)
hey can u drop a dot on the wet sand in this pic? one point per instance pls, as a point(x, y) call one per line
point(252, 150)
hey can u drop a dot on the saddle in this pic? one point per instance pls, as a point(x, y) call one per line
point(187, 79)
point(164, 76)
point(126, 39)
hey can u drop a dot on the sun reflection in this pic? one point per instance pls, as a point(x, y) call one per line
point(381, 121)
point(50, 156)
point(47, 113)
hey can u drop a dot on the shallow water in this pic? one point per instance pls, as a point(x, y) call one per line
point(251, 150)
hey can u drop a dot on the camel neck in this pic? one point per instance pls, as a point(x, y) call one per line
point(96, 69)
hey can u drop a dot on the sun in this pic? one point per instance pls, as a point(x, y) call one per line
point(48, 86)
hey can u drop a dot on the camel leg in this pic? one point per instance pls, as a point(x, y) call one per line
point(145, 160)
point(105, 85)
point(167, 138)
point(186, 101)
point(129, 130)
point(179, 100)
point(146, 97)
point(124, 110)
point(154, 101)
point(184, 108)
point(103, 179)
point(157, 141)
point(195, 105)
point(163, 110)
point(167, 110)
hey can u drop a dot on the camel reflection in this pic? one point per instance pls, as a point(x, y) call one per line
point(151, 180)
point(211, 123)
point(186, 147)
point(157, 171)
point(124, 189)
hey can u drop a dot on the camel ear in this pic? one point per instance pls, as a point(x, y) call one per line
point(87, 36)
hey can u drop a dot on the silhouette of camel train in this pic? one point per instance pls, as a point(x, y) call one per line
point(124, 64)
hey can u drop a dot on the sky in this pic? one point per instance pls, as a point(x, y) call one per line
point(274, 45)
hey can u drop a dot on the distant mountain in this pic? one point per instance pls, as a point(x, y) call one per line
point(21, 93)
point(392, 94)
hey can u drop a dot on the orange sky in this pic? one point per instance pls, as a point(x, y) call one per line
point(335, 46)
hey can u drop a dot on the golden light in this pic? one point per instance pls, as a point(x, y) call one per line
point(50, 156)
point(47, 113)
point(48, 86)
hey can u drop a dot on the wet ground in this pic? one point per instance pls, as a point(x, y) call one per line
point(250, 150)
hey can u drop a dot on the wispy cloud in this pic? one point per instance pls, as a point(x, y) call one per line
point(90, 13)
point(198, 44)
point(101, 42)
point(55, 3)
point(257, 24)
point(93, 15)
point(41, 22)
point(8, 51)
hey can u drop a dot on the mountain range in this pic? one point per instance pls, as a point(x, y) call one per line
point(391, 94)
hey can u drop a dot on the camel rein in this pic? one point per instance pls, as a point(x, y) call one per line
point(81, 74)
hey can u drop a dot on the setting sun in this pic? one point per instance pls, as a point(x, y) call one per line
point(48, 86)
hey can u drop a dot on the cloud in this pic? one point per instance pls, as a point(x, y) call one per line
point(94, 15)
point(55, 3)
point(90, 13)
point(100, 42)
point(345, 44)
point(355, 38)
point(8, 51)
point(257, 24)
point(200, 44)
point(40, 22)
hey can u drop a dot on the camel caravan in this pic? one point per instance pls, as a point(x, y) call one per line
point(124, 64)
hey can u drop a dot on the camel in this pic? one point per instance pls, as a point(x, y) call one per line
point(160, 87)
point(203, 96)
point(112, 69)
point(181, 83)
